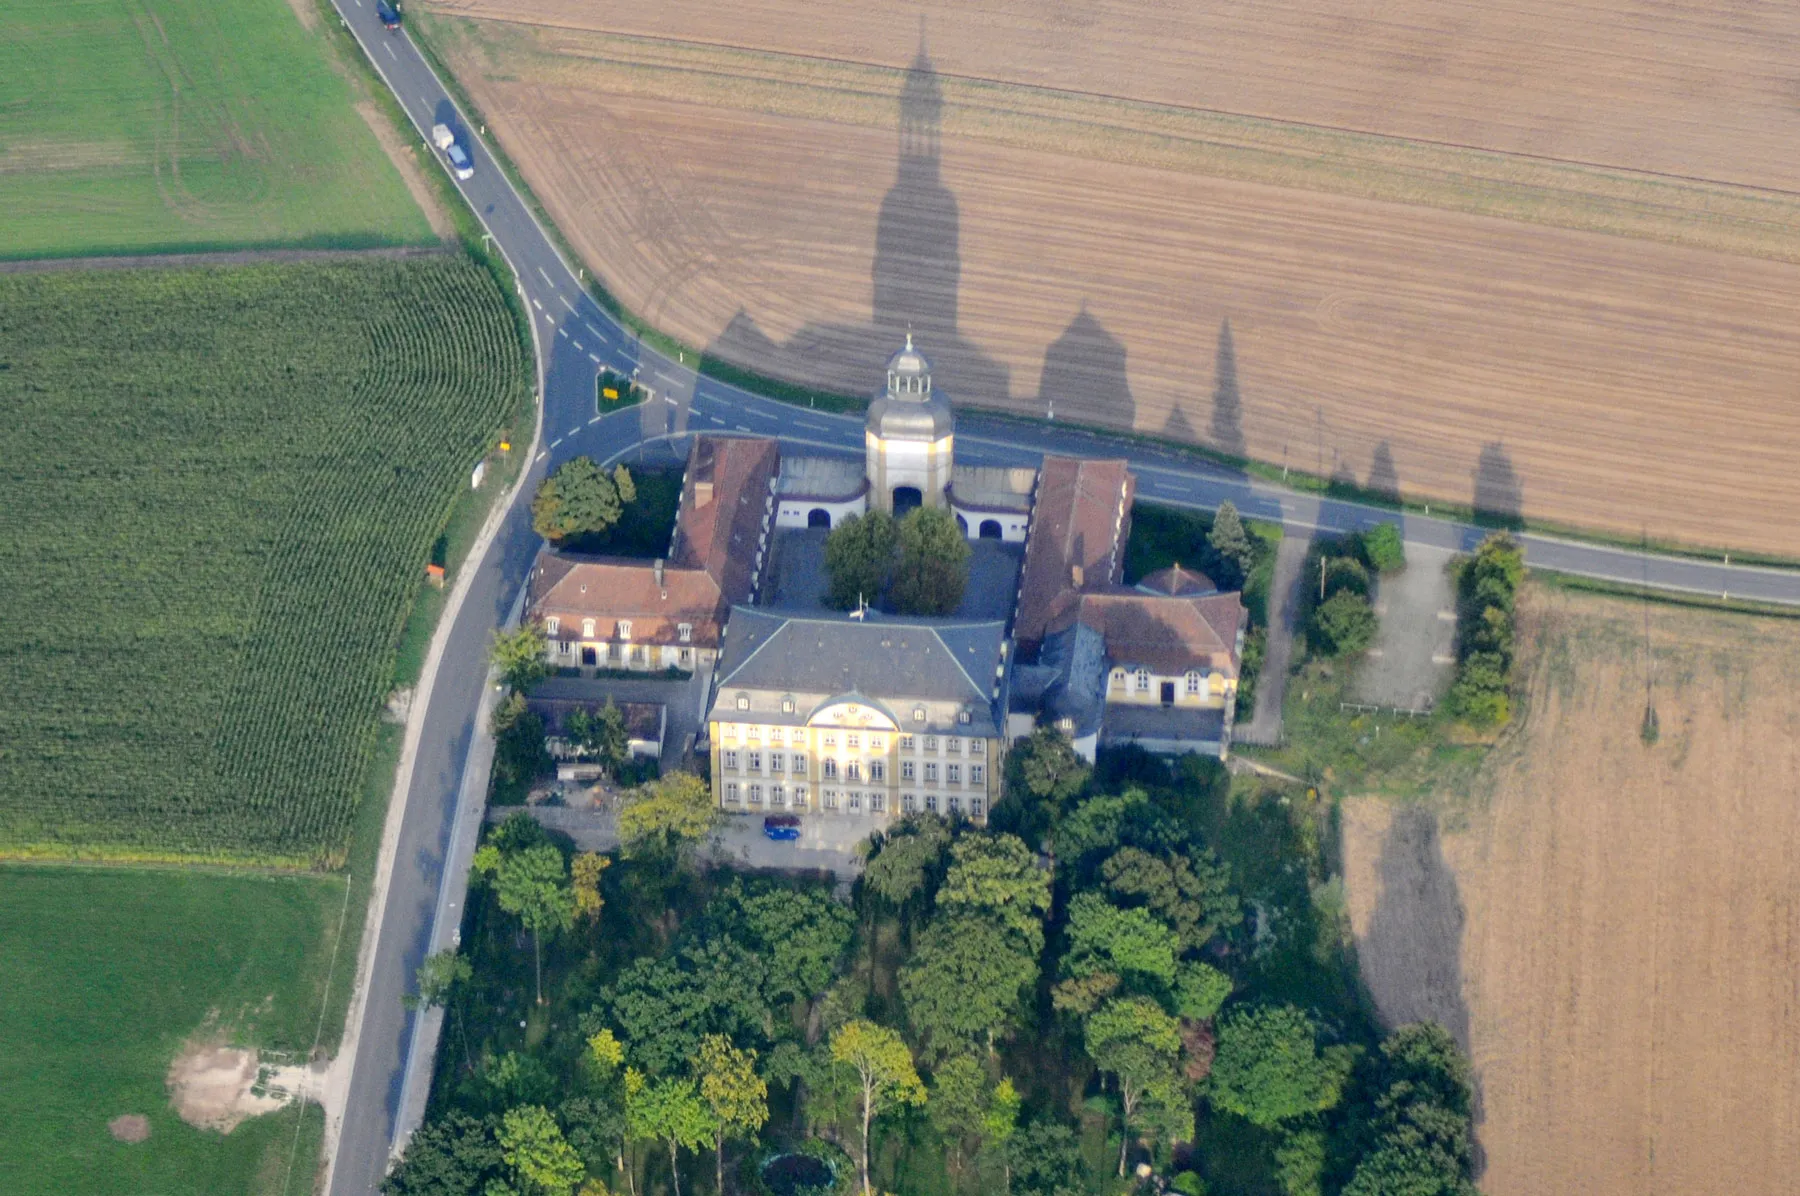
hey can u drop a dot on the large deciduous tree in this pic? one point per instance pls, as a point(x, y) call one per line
point(859, 559)
point(579, 499)
point(532, 884)
point(932, 565)
point(518, 655)
point(800, 935)
point(541, 1158)
point(448, 1156)
point(965, 982)
point(735, 1095)
point(664, 1006)
point(670, 813)
point(1269, 1069)
point(669, 1111)
point(1191, 892)
point(909, 854)
point(997, 875)
point(884, 1073)
point(1137, 1042)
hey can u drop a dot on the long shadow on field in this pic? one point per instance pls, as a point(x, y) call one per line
point(1228, 400)
point(1084, 370)
point(916, 272)
point(1499, 492)
point(1412, 954)
point(1384, 478)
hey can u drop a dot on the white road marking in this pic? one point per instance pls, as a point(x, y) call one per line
point(715, 419)
point(573, 431)
point(542, 455)
point(739, 427)
point(563, 332)
point(604, 339)
point(800, 423)
point(537, 305)
point(389, 47)
point(580, 346)
point(594, 357)
point(566, 303)
point(595, 420)
point(556, 442)
point(670, 402)
point(546, 278)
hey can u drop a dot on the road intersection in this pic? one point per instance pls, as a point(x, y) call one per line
point(576, 337)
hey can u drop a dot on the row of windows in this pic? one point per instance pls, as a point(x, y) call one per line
point(1196, 684)
point(602, 654)
point(553, 626)
point(953, 773)
point(848, 770)
point(953, 745)
point(780, 797)
point(787, 704)
point(855, 801)
point(778, 761)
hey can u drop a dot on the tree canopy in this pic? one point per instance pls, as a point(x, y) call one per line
point(932, 566)
point(734, 1094)
point(532, 884)
point(859, 559)
point(909, 853)
point(578, 499)
point(519, 655)
point(667, 814)
point(1191, 892)
point(965, 982)
point(541, 1158)
point(1269, 1069)
point(884, 1074)
point(1231, 553)
point(998, 875)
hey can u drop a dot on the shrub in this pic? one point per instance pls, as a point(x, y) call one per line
point(1383, 548)
point(1342, 625)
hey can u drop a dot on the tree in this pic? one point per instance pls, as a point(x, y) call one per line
point(1232, 555)
point(999, 1121)
point(534, 1147)
point(859, 558)
point(999, 876)
point(1384, 549)
point(440, 981)
point(584, 875)
point(670, 1111)
point(453, 1155)
point(884, 1072)
point(1200, 989)
point(801, 936)
point(933, 565)
point(600, 734)
point(533, 886)
point(1128, 942)
point(1421, 1119)
point(1342, 625)
point(965, 982)
point(1191, 892)
point(669, 813)
point(1269, 1069)
point(520, 756)
point(958, 1102)
point(664, 1006)
point(1044, 1159)
point(1300, 1161)
point(1044, 775)
point(519, 655)
point(909, 852)
point(735, 1095)
point(577, 500)
point(623, 483)
point(1137, 1042)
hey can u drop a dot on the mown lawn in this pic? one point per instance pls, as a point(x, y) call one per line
point(222, 487)
point(168, 125)
point(107, 972)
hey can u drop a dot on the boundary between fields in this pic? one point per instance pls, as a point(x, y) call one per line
point(224, 257)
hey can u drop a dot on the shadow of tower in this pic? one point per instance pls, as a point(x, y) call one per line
point(1084, 371)
point(917, 266)
point(1228, 401)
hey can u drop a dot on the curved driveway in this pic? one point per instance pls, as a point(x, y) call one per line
point(576, 337)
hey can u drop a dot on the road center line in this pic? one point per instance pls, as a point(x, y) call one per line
point(563, 332)
point(566, 303)
point(537, 305)
point(546, 278)
point(389, 47)
point(580, 346)
point(594, 357)
point(595, 420)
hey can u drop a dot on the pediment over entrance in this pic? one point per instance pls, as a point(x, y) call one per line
point(853, 714)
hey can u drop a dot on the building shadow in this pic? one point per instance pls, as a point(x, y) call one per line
point(1412, 953)
point(1499, 493)
point(916, 274)
point(1384, 479)
point(1084, 370)
point(1228, 403)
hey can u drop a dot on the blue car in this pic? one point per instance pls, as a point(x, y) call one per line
point(389, 15)
point(783, 828)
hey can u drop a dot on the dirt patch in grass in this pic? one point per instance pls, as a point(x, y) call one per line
point(129, 1127)
point(1616, 922)
point(405, 157)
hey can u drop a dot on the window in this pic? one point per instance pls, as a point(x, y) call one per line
point(777, 796)
point(906, 770)
point(587, 629)
point(775, 761)
point(831, 799)
point(907, 743)
point(1118, 678)
point(854, 741)
point(931, 743)
point(1143, 681)
point(552, 625)
point(637, 655)
point(1066, 726)
point(855, 802)
point(955, 806)
point(931, 773)
point(953, 774)
point(684, 632)
point(931, 803)
point(877, 743)
point(853, 770)
point(775, 736)
point(976, 807)
point(624, 629)
point(756, 795)
point(799, 797)
point(962, 716)
point(731, 793)
point(687, 658)
point(799, 765)
point(909, 803)
point(831, 770)
point(877, 803)
point(878, 770)
point(1193, 683)
point(755, 761)
point(918, 714)
point(787, 705)
point(730, 758)
point(754, 732)
point(975, 774)
point(953, 745)
point(743, 701)
point(830, 740)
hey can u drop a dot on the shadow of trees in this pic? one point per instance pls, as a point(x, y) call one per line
point(1085, 367)
point(1499, 493)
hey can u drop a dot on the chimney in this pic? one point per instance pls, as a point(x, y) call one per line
point(1077, 576)
point(657, 568)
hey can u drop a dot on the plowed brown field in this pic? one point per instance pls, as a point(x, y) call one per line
point(1591, 344)
point(1615, 930)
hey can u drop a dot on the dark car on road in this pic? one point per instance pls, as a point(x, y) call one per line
point(783, 828)
point(389, 14)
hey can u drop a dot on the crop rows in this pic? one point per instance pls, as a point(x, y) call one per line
point(226, 486)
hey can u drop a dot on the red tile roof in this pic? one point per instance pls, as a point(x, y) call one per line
point(1080, 521)
point(725, 502)
point(1164, 634)
point(1177, 580)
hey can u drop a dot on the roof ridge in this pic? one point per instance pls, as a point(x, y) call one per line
point(973, 684)
point(754, 652)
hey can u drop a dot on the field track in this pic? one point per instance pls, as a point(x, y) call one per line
point(1457, 324)
point(1612, 928)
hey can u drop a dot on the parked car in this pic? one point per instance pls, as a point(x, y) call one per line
point(389, 14)
point(460, 165)
point(783, 828)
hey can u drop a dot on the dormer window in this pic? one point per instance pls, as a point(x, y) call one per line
point(787, 705)
point(587, 629)
point(552, 625)
point(685, 632)
point(962, 716)
point(624, 629)
point(918, 714)
point(743, 701)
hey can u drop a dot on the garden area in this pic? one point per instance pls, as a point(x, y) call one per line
point(1144, 964)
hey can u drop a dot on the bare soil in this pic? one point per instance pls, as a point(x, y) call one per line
point(1612, 928)
point(1583, 346)
point(129, 1127)
point(217, 1087)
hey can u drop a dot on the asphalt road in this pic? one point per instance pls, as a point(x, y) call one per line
point(576, 338)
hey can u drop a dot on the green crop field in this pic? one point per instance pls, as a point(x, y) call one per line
point(221, 488)
point(107, 972)
point(136, 125)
